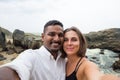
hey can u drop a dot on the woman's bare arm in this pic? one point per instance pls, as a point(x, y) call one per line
point(92, 71)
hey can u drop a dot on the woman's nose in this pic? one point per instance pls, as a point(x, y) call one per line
point(69, 42)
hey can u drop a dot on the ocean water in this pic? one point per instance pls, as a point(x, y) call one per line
point(104, 61)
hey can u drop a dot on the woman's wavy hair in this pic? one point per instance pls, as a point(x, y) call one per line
point(83, 43)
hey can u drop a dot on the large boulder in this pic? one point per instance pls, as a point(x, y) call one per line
point(31, 42)
point(2, 40)
point(116, 65)
point(8, 34)
point(106, 39)
point(18, 37)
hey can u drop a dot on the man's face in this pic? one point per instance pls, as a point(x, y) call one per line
point(53, 38)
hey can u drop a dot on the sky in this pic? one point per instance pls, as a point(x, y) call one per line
point(87, 15)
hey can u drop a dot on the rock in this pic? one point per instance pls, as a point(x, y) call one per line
point(2, 40)
point(30, 42)
point(18, 37)
point(116, 65)
point(106, 39)
point(102, 51)
point(2, 57)
point(7, 32)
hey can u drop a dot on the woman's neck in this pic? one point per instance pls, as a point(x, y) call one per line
point(73, 59)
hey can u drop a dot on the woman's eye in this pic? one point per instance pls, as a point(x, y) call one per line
point(74, 39)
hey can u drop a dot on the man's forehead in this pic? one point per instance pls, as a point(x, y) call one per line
point(54, 31)
point(54, 28)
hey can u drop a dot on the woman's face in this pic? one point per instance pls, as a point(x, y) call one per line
point(71, 43)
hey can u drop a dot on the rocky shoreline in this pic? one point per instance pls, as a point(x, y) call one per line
point(103, 47)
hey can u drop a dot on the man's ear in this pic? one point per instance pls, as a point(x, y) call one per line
point(42, 36)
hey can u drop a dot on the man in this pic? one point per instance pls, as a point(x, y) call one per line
point(45, 63)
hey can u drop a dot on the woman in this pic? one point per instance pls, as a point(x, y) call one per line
point(78, 67)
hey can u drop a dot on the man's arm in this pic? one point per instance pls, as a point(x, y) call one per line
point(8, 74)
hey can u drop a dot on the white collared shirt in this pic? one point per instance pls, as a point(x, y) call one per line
point(38, 65)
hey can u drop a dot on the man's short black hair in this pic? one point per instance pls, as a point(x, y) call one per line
point(52, 22)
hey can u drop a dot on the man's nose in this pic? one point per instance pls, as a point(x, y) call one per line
point(56, 37)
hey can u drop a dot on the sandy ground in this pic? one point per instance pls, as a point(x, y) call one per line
point(8, 57)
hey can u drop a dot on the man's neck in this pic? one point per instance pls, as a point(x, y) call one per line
point(54, 55)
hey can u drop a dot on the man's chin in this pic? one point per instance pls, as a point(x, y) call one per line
point(55, 50)
point(55, 47)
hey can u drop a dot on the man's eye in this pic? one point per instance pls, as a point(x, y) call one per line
point(51, 34)
point(60, 35)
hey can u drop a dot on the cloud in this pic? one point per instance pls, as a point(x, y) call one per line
point(86, 14)
point(18, 6)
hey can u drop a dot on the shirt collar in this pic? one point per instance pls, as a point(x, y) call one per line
point(46, 52)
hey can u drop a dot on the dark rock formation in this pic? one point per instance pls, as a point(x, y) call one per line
point(2, 40)
point(106, 39)
point(25, 41)
point(8, 34)
point(2, 57)
point(18, 36)
point(31, 41)
point(116, 65)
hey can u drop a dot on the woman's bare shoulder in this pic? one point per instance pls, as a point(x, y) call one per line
point(90, 66)
point(90, 70)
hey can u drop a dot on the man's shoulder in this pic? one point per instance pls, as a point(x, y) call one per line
point(31, 51)
point(35, 51)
